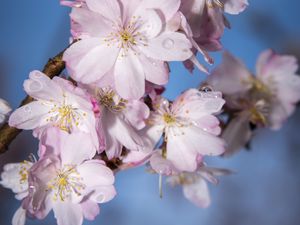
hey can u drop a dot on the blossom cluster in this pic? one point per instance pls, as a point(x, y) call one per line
point(109, 113)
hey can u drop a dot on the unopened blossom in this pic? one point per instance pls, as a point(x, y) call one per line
point(120, 120)
point(67, 181)
point(189, 126)
point(4, 110)
point(266, 99)
point(15, 177)
point(58, 103)
point(131, 37)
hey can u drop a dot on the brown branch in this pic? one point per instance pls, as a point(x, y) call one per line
point(53, 68)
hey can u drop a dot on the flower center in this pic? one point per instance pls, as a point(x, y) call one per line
point(127, 38)
point(66, 182)
point(23, 172)
point(109, 99)
point(215, 4)
point(169, 119)
point(65, 116)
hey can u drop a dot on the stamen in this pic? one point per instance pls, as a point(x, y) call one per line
point(66, 182)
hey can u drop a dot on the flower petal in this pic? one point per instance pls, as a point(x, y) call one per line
point(197, 193)
point(129, 77)
point(41, 87)
point(107, 8)
point(83, 59)
point(29, 116)
point(230, 77)
point(95, 173)
point(169, 46)
point(19, 217)
point(67, 213)
point(90, 23)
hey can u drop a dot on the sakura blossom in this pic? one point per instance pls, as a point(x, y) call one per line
point(15, 177)
point(70, 184)
point(186, 123)
point(266, 99)
point(109, 112)
point(120, 121)
point(4, 110)
point(58, 103)
point(204, 22)
point(194, 185)
point(132, 38)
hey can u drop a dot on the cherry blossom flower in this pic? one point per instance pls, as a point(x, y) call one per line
point(4, 110)
point(70, 184)
point(15, 177)
point(120, 120)
point(194, 185)
point(130, 35)
point(266, 99)
point(204, 23)
point(189, 128)
point(58, 103)
point(207, 20)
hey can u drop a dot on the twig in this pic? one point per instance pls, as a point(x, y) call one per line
point(53, 68)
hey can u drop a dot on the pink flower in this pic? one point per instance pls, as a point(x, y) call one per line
point(270, 96)
point(189, 128)
point(15, 177)
point(207, 20)
point(119, 121)
point(4, 110)
point(206, 24)
point(194, 185)
point(131, 37)
point(66, 180)
point(58, 103)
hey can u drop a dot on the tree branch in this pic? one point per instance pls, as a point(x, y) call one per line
point(53, 68)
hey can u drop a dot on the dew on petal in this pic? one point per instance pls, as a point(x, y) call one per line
point(27, 109)
point(168, 43)
point(100, 198)
point(35, 86)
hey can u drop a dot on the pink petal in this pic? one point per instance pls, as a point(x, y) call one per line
point(235, 6)
point(83, 59)
point(167, 7)
point(95, 173)
point(30, 116)
point(237, 134)
point(102, 194)
point(169, 46)
point(123, 132)
point(162, 165)
point(19, 217)
point(89, 22)
point(67, 213)
point(230, 77)
point(107, 8)
point(41, 87)
point(129, 77)
point(197, 193)
point(156, 71)
point(90, 209)
point(136, 113)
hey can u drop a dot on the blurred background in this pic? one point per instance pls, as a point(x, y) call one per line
point(265, 189)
